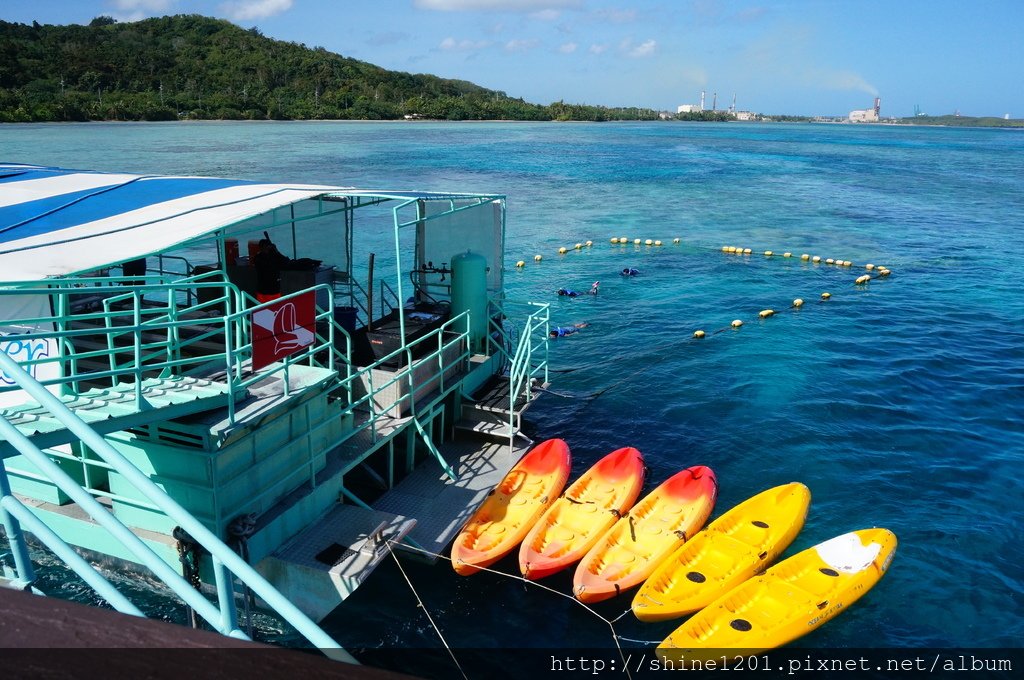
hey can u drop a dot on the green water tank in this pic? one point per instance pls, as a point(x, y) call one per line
point(469, 293)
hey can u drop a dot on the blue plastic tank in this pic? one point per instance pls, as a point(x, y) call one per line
point(469, 293)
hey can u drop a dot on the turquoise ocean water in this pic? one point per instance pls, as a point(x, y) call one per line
point(900, 404)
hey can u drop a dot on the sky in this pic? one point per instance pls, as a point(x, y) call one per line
point(798, 57)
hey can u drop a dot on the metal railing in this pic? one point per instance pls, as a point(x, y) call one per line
point(227, 565)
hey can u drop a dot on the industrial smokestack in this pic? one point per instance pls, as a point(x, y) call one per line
point(714, 102)
point(702, 100)
point(878, 105)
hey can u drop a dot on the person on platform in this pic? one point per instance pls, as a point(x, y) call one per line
point(562, 331)
point(268, 264)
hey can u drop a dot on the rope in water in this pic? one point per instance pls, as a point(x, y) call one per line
point(615, 636)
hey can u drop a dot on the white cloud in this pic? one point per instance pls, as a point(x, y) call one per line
point(250, 10)
point(136, 10)
point(786, 55)
point(616, 16)
point(644, 49)
point(546, 15)
point(453, 45)
point(521, 45)
point(568, 48)
point(499, 5)
point(598, 49)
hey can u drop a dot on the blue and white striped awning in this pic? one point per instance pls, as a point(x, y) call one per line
point(56, 222)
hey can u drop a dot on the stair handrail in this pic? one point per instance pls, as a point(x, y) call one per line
point(222, 555)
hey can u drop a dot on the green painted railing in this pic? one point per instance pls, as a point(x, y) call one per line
point(227, 564)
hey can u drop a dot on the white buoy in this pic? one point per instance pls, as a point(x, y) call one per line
point(798, 302)
point(698, 334)
point(538, 258)
point(520, 264)
point(765, 313)
point(816, 258)
point(826, 296)
point(561, 251)
point(737, 323)
point(787, 254)
point(637, 241)
point(805, 257)
point(657, 243)
point(675, 240)
point(768, 253)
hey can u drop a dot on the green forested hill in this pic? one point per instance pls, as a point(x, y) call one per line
point(195, 67)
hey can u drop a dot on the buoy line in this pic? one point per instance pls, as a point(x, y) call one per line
point(611, 623)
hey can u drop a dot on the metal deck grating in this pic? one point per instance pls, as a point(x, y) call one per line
point(441, 506)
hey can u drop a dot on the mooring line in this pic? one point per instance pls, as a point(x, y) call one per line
point(425, 611)
point(614, 635)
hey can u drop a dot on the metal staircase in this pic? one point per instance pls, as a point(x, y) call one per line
point(227, 565)
point(117, 408)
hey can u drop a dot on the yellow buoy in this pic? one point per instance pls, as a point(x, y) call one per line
point(847, 263)
point(862, 279)
point(589, 243)
point(798, 302)
point(737, 323)
point(578, 246)
point(787, 254)
point(623, 240)
point(805, 256)
point(520, 264)
point(615, 239)
point(825, 296)
point(767, 253)
point(830, 261)
point(675, 240)
point(869, 267)
point(538, 258)
point(747, 251)
point(729, 249)
point(765, 313)
point(636, 241)
point(884, 272)
point(657, 243)
point(649, 242)
point(698, 334)
point(816, 258)
point(561, 251)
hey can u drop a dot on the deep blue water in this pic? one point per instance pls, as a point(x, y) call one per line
point(900, 404)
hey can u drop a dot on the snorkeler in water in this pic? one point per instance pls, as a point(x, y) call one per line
point(566, 292)
point(629, 271)
point(562, 331)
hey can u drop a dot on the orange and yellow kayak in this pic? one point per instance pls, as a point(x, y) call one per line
point(513, 507)
point(734, 547)
point(630, 551)
point(789, 600)
point(574, 523)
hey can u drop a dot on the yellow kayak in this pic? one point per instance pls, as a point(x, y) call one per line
point(513, 507)
point(789, 600)
point(591, 504)
point(734, 547)
point(637, 543)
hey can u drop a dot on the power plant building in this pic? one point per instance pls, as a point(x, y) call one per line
point(866, 115)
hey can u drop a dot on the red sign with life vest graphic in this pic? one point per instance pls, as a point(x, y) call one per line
point(283, 328)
